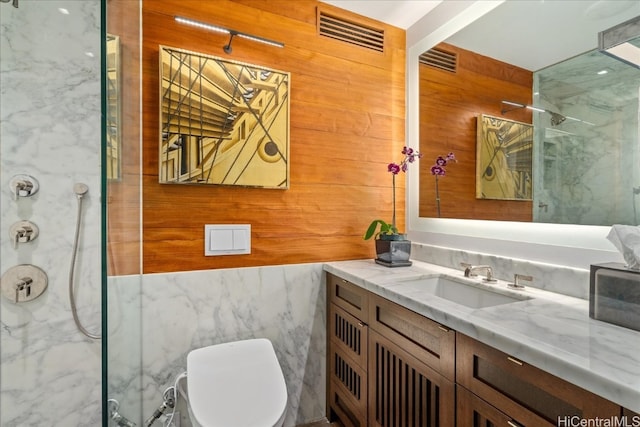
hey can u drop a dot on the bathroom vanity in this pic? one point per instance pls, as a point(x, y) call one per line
point(403, 352)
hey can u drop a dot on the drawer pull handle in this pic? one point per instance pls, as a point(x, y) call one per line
point(443, 328)
point(513, 423)
point(516, 361)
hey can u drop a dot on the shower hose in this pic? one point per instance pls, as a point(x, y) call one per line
point(80, 190)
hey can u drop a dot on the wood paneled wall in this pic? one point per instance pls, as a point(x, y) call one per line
point(347, 123)
point(449, 106)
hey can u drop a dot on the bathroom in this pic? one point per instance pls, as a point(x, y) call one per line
point(140, 274)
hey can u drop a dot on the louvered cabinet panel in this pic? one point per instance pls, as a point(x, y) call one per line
point(348, 334)
point(347, 388)
point(404, 392)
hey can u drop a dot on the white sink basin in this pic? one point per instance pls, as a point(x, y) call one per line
point(462, 293)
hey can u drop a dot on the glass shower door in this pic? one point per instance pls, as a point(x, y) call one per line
point(122, 173)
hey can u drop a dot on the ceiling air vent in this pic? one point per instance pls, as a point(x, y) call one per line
point(350, 32)
point(440, 59)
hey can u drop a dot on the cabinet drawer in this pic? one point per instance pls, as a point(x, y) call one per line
point(430, 342)
point(348, 334)
point(528, 394)
point(348, 383)
point(471, 411)
point(351, 298)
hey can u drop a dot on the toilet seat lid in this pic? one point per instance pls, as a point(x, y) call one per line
point(236, 384)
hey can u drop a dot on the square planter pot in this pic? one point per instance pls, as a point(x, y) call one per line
point(393, 253)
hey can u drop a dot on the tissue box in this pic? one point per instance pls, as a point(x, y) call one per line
point(614, 295)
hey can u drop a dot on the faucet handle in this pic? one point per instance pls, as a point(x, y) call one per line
point(467, 269)
point(516, 281)
point(23, 186)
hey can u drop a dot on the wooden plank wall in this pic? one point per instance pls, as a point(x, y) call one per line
point(347, 123)
point(449, 106)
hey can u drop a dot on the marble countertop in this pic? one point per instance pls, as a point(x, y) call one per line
point(550, 331)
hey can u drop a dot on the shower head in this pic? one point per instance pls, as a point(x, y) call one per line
point(80, 189)
point(556, 118)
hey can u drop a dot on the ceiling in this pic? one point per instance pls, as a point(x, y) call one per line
point(399, 13)
point(531, 34)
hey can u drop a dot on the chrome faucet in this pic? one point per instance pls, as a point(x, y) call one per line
point(470, 271)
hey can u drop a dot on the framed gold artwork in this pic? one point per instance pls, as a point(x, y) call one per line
point(504, 153)
point(222, 122)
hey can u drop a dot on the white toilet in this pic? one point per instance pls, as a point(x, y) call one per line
point(236, 384)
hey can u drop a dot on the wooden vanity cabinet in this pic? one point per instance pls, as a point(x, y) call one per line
point(387, 366)
point(524, 394)
point(391, 367)
point(347, 338)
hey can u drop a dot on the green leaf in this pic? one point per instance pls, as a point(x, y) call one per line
point(384, 228)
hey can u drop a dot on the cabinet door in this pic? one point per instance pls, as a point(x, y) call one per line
point(348, 334)
point(433, 344)
point(403, 391)
point(347, 390)
point(526, 393)
point(347, 367)
point(351, 298)
point(472, 411)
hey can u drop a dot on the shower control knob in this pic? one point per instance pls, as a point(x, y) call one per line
point(23, 186)
point(23, 232)
point(23, 283)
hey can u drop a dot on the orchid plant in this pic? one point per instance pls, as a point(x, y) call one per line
point(438, 170)
point(410, 156)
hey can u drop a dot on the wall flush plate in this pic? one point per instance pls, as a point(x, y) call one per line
point(227, 239)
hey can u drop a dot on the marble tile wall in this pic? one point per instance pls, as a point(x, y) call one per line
point(555, 278)
point(286, 304)
point(50, 128)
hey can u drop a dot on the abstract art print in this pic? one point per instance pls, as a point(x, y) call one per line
point(222, 122)
point(504, 153)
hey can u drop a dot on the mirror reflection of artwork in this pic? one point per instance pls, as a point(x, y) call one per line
point(112, 109)
point(503, 159)
point(222, 122)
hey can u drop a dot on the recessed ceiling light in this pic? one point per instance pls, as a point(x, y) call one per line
point(601, 72)
point(89, 54)
point(63, 11)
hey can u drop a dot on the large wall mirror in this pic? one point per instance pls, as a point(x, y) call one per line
point(534, 62)
point(507, 26)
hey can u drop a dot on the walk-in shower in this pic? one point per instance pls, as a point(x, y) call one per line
point(50, 132)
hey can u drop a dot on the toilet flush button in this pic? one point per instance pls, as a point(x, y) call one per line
point(227, 239)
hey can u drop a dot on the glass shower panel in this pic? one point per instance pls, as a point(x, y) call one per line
point(588, 149)
point(122, 172)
